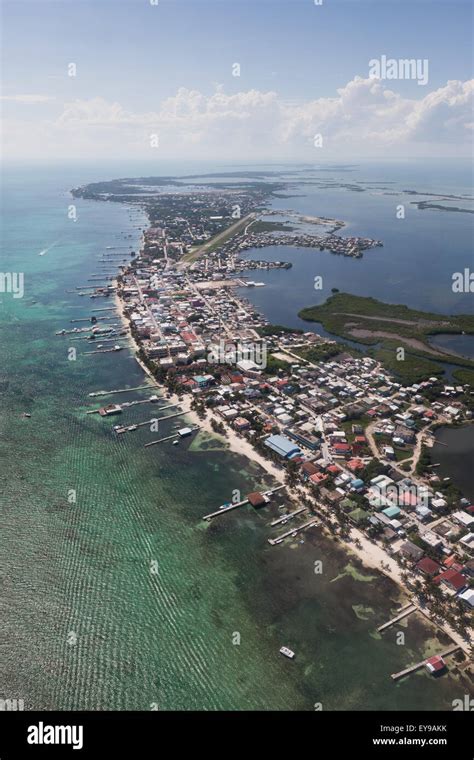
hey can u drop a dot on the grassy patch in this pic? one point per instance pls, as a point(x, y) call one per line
point(411, 370)
point(262, 226)
point(343, 313)
point(464, 376)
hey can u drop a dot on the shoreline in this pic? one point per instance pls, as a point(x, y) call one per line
point(370, 554)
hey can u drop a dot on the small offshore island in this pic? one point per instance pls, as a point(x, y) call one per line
point(345, 434)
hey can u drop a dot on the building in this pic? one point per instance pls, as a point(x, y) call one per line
point(428, 566)
point(107, 411)
point(282, 446)
point(463, 519)
point(411, 551)
point(391, 512)
point(467, 598)
point(305, 438)
point(308, 469)
point(453, 579)
point(256, 499)
point(241, 423)
point(435, 664)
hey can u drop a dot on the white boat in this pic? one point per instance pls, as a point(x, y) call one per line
point(287, 652)
point(175, 443)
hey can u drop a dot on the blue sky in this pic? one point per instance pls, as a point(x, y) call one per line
point(136, 55)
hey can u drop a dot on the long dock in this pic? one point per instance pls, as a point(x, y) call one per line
point(292, 532)
point(120, 390)
point(404, 612)
point(160, 419)
point(224, 509)
point(412, 668)
point(289, 516)
point(103, 351)
point(169, 438)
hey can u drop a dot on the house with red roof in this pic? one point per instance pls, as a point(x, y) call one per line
point(428, 567)
point(452, 579)
point(435, 664)
point(309, 468)
point(317, 478)
point(342, 449)
point(355, 464)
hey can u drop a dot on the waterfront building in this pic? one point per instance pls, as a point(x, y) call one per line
point(282, 446)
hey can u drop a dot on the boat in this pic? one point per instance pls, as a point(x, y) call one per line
point(287, 652)
point(132, 427)
point(175, 443)
point(26, 414)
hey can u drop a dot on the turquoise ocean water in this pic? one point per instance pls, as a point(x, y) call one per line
point(126, 599)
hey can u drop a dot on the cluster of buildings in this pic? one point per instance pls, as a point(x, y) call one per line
point(347, 430)
point(345, 246)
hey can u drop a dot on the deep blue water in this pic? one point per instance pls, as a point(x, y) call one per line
point(419, 256)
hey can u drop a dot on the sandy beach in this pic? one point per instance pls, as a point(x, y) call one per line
point(369, 553)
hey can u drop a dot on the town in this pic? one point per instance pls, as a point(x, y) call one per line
point(349, 441)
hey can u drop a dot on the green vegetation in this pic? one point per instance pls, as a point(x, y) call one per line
point(261, 226)
point(343, 304)
point(464, 376)
point(274, 365)
point(402, 454)
point(372, 469)
point(392, 326)
point(319, 352)
point(411, 370)
point(424, 460)
point(217, 240)
point(277, 330)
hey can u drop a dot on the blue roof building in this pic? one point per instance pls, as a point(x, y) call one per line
point(283, 446)
point(391, 512)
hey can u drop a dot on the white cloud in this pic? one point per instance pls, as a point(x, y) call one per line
point(365, 117)
point(28, 99)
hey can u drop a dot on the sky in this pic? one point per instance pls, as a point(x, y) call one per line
point(236, 79)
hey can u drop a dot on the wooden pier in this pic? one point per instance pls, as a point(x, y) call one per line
point(404, 612)
point(159, 419)
point(293, 532)
point(103, 351)
point(412, 668)
point(230, 507)
point(120, 390)
point(169, 438)
point(289, 516)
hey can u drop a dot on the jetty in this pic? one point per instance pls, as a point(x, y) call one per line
point(119, 390)
point(408, 609)
point(103, 351)
point(413, 668)
point(169, 437)
point(228, 508)
point(155, 419)
point(293, 532)
point(288, 516)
